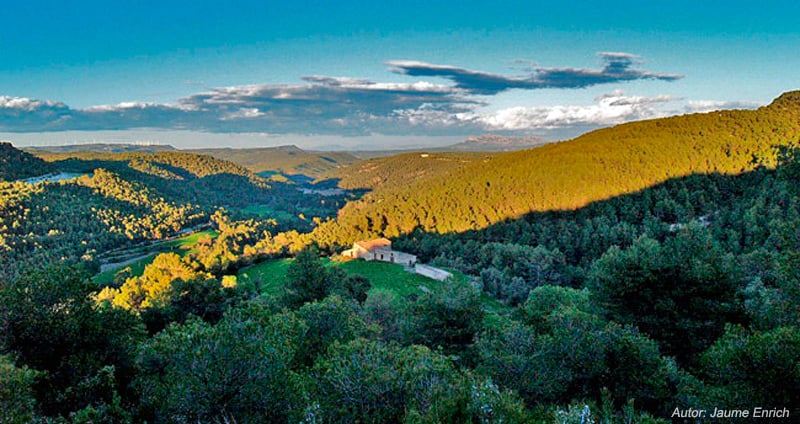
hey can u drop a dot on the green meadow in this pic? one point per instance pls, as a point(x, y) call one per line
point(270, 278)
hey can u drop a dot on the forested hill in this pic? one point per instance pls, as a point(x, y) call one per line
point(567, 175)
point(16, 164)
point(285, 159)
point(168, 164)
point(403, 169)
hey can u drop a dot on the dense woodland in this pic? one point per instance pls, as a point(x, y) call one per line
point(404, 169)
point(652, 288)
point(126, 198)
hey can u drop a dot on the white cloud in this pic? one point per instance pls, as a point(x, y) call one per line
point(701, 106)
point(27, 105)
point(243, 113)
point(612, 108)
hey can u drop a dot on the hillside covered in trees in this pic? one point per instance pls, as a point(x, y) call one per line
point(284, 159)
point(402, 169)
point(16, 164)
point(571, 174)
point(124, 198)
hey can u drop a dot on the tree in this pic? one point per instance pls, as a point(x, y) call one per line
point(447, 317)
point(754, 369)
point(330, 320)
point(237, 370)
point(16, 392)
point(352, 286)
point(569, 352)
point(680, 293)
point(372, 382)
point(154, 287)
point(50, 322)
point(384, 309)
point(307, 278)
point(544, 301)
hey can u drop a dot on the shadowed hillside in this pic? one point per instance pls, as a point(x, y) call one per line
point(16, 164)
point(567, 175)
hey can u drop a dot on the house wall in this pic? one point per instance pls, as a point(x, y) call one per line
point(383, 254)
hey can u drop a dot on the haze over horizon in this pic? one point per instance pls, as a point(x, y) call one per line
point(353, 75)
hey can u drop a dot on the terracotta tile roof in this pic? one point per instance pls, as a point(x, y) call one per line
point(374, 244)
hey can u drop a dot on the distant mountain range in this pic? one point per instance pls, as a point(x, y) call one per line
point(288, 160)
point(494, 143)
point(479, 143)
point(291, 160)
point(104, 148)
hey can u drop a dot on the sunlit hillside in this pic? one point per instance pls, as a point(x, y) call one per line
point(567, 175)
point(403, 169)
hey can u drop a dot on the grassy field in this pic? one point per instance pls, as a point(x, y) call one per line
point(270, 277)
point(267, 212)
point(182, 246)
point(185, 245)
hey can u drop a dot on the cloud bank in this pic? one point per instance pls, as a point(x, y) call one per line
point(325, 105)
point(617, 67)
point(609, 109)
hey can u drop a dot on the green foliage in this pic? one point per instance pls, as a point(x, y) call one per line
point(331, 320)
point(237, 244)
point(154, 287)
point(83, 353)
point(754, 368)
point(510, 271)
point(680, 293)
point(398, 170)
point(353, 286)
point(447, 317)
point(574, 354)
point(77, 220)
point(16, 164)
point(308, 279)
point(385, 309)
point(284, 159)
point(543, 302)
point(235, 371)
point(16, 392)
point(370, 382)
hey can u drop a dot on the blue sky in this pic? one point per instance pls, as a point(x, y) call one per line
point(371, 73)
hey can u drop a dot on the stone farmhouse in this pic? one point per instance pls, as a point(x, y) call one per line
point(379, 250)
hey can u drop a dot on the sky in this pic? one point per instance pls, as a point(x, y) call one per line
point(366, 74)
